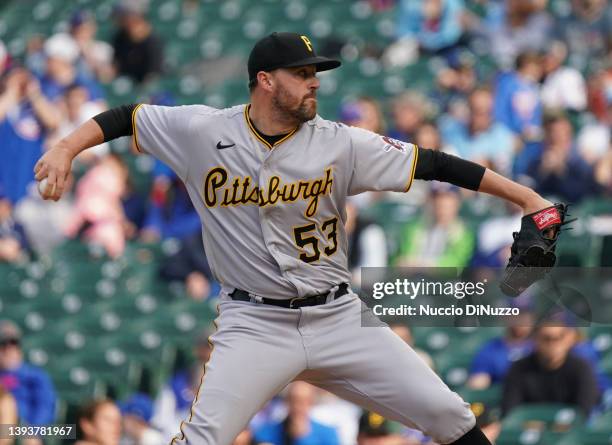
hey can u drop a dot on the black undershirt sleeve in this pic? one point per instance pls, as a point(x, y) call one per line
point(116, 122)
point(432, 164)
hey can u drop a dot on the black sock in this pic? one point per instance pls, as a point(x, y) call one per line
point(473, 437)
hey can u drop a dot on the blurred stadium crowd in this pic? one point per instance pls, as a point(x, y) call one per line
point(109, 291)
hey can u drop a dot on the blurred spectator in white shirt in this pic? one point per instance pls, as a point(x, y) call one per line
point(44, 221)
point(564, 87)
point(78, 108)
point(367, 243)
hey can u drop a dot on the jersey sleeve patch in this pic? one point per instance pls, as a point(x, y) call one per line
point(391, 144)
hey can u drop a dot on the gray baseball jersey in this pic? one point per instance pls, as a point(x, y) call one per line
point(273, 217)
point(273, 224)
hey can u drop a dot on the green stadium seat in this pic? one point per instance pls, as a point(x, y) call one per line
point(453, 367)
point(606, 364)
point(135, 307)
point(602, 422)
point(112, 365)
point(530, 437)
point(10, 279)
point(594, 207)
point(27, 317)
point(576, 249)
point(596, 438)
point(601, 337)
point(549, 414)
point(587, 436)
point(77, 384)
point(75, 250)
point(468, 339)
point(539, 424)
point(101, 319)
point(147, 347)
point(181, 328)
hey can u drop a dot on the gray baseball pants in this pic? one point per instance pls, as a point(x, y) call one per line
point(259, 349)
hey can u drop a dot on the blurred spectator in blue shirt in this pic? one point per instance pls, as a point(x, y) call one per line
point(519, 107)
point(34, 58)
point(137, 411)
point(435, 24)
point(13, 240)
point(298, 428)
point(587, 31)
point(516, 26)
point(61, 73)
point(171, 213)
point(494, 358)
point(481, 139)
point(26, 117)
point(560, 171)
point(31, 386)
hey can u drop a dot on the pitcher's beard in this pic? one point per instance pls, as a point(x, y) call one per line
point(306, 111)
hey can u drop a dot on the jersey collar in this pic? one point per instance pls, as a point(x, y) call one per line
point(258, 135)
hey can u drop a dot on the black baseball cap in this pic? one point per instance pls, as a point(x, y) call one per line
point(286, 50)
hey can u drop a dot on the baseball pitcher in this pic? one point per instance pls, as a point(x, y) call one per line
point(270, 180)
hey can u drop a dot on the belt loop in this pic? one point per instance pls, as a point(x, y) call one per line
point(256, 298)
point(332, 294)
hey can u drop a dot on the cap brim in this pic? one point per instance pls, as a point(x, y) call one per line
point(321, 63)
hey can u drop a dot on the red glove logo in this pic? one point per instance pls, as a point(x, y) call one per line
point(547, 218)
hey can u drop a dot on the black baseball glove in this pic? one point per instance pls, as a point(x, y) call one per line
point(533, 250)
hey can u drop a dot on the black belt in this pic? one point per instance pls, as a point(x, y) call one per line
point(291, 303)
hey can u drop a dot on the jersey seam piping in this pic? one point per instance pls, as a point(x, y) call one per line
point(413, 170)
point(135, 128)
point(257, 135)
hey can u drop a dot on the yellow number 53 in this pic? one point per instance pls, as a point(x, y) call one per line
point(308, 243)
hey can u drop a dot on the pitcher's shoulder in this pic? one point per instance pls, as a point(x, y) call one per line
point(318, 123)
point(206, 113)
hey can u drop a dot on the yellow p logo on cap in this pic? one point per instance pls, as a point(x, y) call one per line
point(307, 43)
